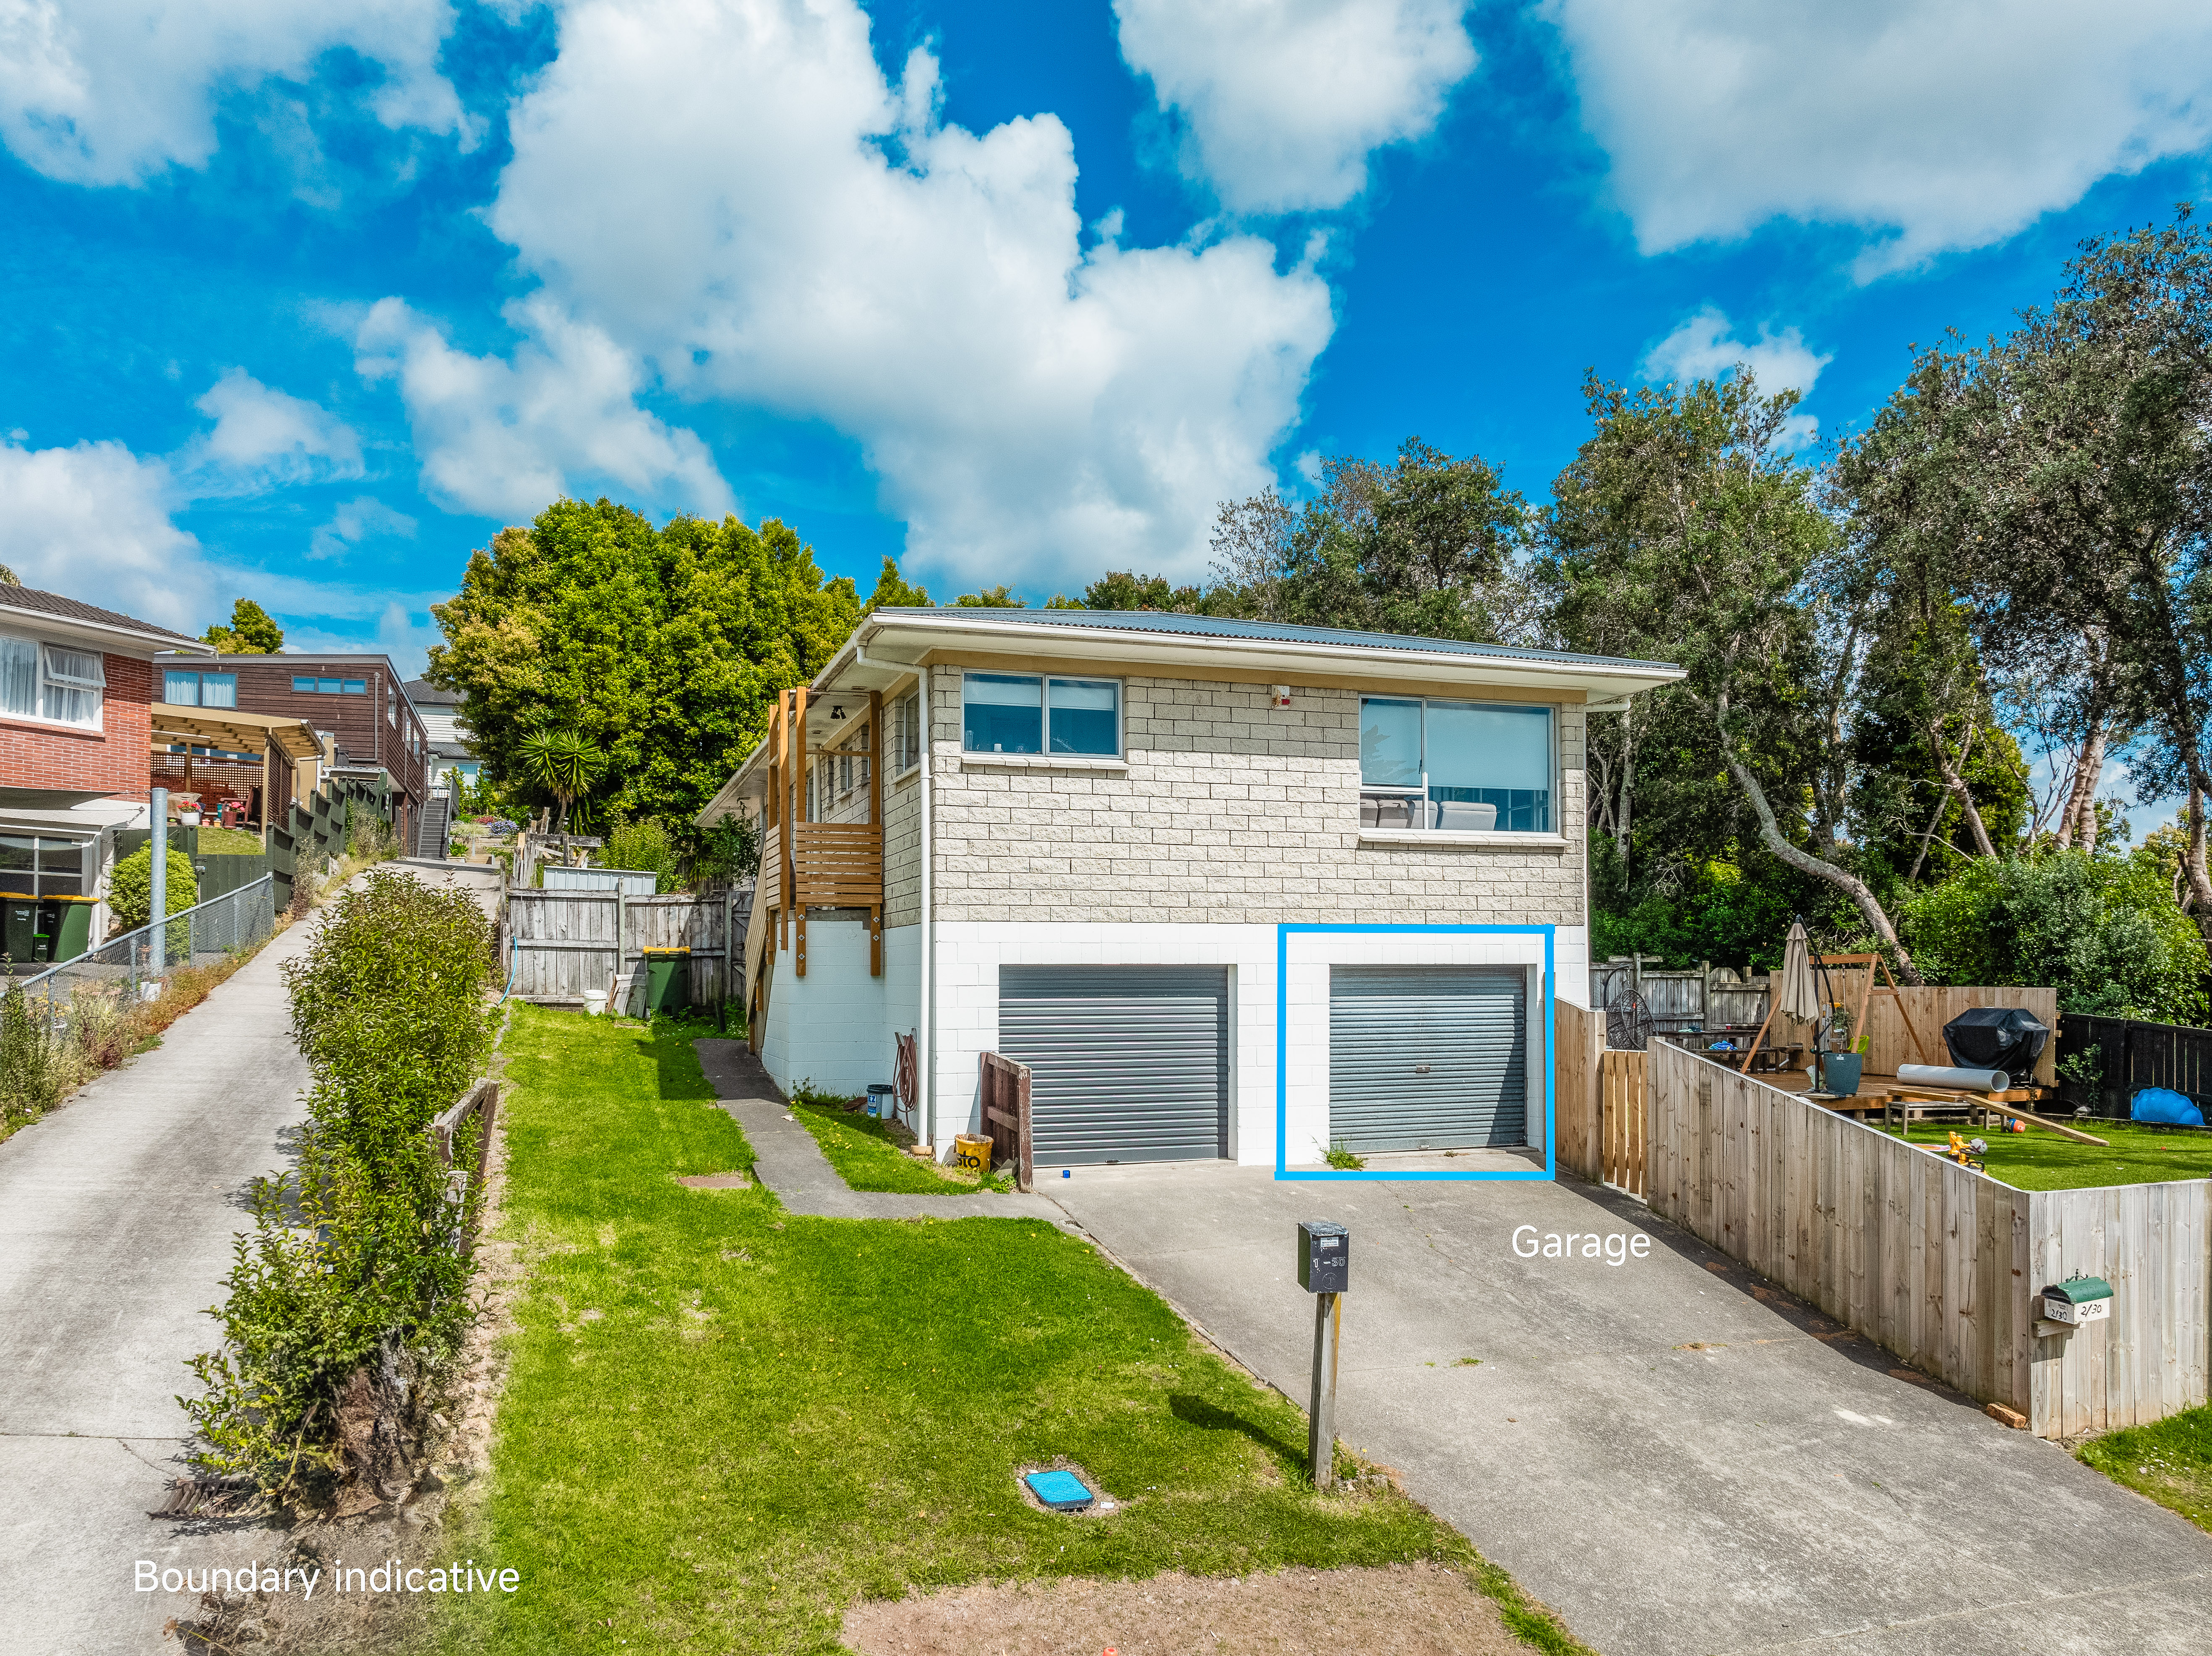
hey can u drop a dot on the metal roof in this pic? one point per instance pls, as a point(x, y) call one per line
point(31, 601)
point(1176, 623)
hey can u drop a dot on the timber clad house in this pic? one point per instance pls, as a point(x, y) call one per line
point(1203, 876)
point(356, 702)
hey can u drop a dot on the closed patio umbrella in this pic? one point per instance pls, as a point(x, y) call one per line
point(1798, 997)
point(1795, 994)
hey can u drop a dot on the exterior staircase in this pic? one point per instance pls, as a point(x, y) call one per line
point(432, 831)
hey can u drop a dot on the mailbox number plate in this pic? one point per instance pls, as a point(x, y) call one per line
point(2065, 1311)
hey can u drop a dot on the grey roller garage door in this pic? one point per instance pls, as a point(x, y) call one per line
point(1126, 1063)
point(1427, 1056)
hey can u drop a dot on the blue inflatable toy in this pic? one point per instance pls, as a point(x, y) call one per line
point(2167, 1108)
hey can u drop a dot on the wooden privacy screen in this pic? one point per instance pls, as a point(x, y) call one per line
point(1931, 1008)
point(1005, 1099)
point(1935, 1262)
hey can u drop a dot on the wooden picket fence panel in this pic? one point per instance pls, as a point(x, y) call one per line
point(1623, 1094)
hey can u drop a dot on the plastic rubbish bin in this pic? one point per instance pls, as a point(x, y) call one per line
point(667, 980)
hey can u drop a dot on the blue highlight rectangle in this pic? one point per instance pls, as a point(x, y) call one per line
point(1283, 1041)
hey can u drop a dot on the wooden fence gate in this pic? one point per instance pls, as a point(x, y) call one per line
point(1005, 1096)
point(1624, 1091)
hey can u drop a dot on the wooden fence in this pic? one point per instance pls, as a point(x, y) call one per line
point(1937, 1263)
point(563, 943)
point(1622, 1084)
point(1006, 1115)
point(1578, 1042)
point(1931, 1008)
point(1706, 998)
point(2131, 1055)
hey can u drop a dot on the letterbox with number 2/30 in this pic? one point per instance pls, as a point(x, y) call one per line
point(1324, 1256)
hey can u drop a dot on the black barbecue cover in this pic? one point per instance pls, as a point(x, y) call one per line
point(1997, 1038)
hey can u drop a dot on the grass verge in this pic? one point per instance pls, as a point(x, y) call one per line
point(867, 1156)
point(2170, 1461)
point(723, 1423)
point(2037, 1160)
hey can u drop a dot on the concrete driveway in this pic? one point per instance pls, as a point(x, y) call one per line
point(117, 1213)
point(1677, 1458)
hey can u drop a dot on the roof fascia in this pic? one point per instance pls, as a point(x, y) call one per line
point(907, 644)
point(120, 640)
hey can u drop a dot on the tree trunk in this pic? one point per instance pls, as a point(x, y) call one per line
point(1934, 823)
point(1804, 862)
point(2079, 822)
point(2192, 864)
point(1956, 785)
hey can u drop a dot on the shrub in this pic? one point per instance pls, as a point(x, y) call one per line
point(369, 839)
point(644, 844)
point(131, 889)
point(360, 1259)
point(2103, 930)
point(30, 1077)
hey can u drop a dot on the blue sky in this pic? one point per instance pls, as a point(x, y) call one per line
point(306, 301)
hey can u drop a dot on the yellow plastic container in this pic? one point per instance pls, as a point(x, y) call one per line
point(971, 1152)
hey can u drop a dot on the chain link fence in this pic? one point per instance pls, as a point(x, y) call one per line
point(134, 965)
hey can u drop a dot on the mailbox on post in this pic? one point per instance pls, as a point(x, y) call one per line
point(1324, 1272)
point(1324, 1256)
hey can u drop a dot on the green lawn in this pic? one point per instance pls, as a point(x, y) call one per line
point(866, 1157)
point(2037, 1160)
point(224, 842)
point(722, 1422)
point(2171, 1462)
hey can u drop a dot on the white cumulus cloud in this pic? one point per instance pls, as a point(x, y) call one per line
point(1282, 101)
point(503, 438)
point(356, 521)
point(1703, 346)
point(93, 522)
point(263, 437)
point(108, 92)
point(1927, 127)
point(783, 227)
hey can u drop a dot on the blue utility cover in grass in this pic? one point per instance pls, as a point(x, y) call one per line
point(1061, 1491)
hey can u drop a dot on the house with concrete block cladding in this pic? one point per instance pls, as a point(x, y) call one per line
point(1231, 890)
point(77, 689)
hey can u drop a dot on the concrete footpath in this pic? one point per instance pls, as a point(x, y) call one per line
point(117, 1212)
point(788, 1161)
point(1679, 1458)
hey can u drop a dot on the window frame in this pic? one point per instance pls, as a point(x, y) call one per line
point(1044, 753)
point(909, 722)
point(1382, 790)
point(44, 681)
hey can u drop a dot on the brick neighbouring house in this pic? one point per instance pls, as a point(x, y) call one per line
point(77, 683)
point(1230, 889)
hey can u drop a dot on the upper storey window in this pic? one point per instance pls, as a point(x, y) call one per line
point(1473, 765)
point(49, 681)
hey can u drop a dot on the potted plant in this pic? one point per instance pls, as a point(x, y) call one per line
point(1840, 1072)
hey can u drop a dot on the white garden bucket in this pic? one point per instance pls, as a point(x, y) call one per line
point(595, 1003)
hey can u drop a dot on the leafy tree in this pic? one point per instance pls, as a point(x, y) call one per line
point(8, 577)
point(1680, 532)
point(1121, 590)
point(665, 649)
point(892, 592)
point(2102, 930)
point(251, 632)
point(1000, 597)
point(645, 846)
